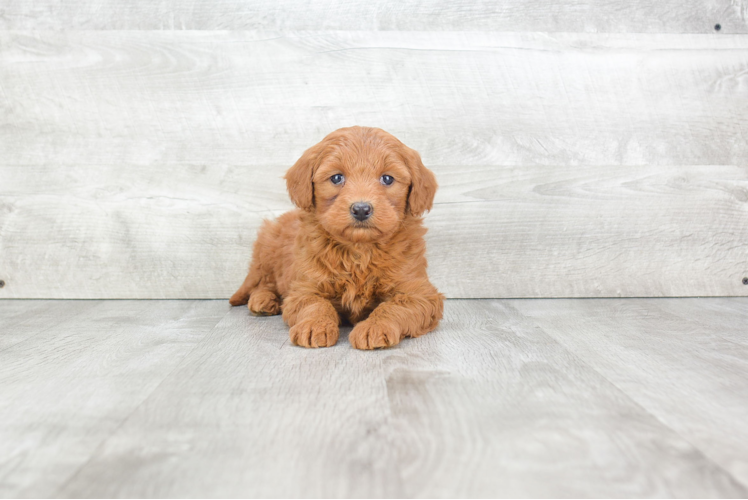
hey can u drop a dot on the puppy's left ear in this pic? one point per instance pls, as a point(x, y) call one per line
point(299, 177)
point(423, 183)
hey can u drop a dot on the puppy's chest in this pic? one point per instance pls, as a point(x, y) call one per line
point(359, 287)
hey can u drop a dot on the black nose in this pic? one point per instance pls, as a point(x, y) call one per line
point(361, 211)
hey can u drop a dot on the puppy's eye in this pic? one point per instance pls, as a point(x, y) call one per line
point(337, 179)
point(386, 180)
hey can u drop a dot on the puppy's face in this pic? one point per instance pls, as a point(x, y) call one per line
point(361, 191)
point(361, 183)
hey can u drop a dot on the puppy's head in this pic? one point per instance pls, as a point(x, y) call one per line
point(362, 183)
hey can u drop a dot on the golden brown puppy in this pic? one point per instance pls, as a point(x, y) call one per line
point(354, 249)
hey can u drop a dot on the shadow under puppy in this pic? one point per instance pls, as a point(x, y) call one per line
point(353, 250)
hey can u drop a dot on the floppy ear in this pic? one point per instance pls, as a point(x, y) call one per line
point(299, 177)
point(423, 183)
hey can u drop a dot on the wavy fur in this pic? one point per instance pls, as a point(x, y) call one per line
point(319, 266)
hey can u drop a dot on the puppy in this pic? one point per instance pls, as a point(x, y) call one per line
point(354, 248)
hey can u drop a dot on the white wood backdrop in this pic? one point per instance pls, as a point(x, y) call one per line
point(632, 16)
point(138, 164)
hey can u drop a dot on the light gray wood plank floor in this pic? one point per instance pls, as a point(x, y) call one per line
point(573, 397)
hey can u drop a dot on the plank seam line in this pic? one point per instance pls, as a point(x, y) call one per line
point(56, 325)
point(137, 407)
point(636, 403)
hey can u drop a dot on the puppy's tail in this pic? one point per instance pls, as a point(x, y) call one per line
point(241, 296)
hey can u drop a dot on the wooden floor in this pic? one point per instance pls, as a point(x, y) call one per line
point(573, 397)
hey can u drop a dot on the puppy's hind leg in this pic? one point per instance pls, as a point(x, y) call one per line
point(259, 290)
point(262, 300)
point(241, 296)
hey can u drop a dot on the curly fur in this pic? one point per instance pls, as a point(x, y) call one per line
point(319, 266)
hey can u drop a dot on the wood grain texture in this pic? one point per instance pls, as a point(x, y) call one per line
point(534, 231)
point(667, 16)
point(460, 98)
point(78, 375)
point(592, 232)
point(22, 320)
point(690, 360)
point(252, 415)
point(488, 405)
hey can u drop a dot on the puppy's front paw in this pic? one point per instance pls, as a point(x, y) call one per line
point(370, 334)
point(314, 332)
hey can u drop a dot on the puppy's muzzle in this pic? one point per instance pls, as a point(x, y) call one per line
point(361, 211)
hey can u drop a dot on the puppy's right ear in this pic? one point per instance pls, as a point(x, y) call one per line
point(299, 177)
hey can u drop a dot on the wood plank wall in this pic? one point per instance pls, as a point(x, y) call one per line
point(584, 149)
